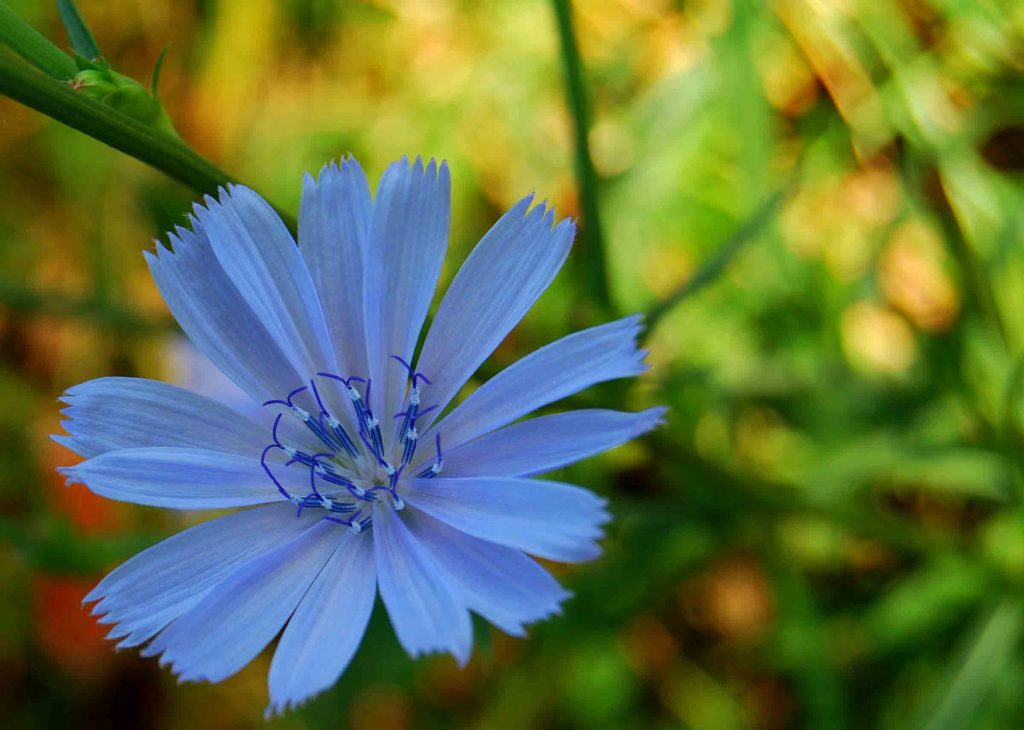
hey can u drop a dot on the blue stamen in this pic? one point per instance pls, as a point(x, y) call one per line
point(266, 468)
point(373, 427)
point(316, 394)
point(273, 430)
point(409, 439)
point(413, 375)
point(287, 402)
point(435, 468)
point(324, 467)
point(342, 436)
point(315, 469)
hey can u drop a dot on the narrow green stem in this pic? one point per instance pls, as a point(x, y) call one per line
point(592, 262)
point(151, 146)
point(711, 269)
point(31, 45)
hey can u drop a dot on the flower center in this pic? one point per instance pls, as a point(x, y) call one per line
point(339, 463)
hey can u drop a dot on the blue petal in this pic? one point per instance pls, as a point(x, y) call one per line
point(549, 519)
point(108, 414)
point(263, 262)
point(234, 621)
point(334, 221)
point(156, 586)
point(327, 627)
point(217, 319)
point(548, 442)
point(555, 371)
point(193, 371)
point(511, 266)
point(175, 477)
point(426, 611)
point(408, 237)
point(502, 585)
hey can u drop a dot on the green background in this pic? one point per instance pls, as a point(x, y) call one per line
point(827, 533)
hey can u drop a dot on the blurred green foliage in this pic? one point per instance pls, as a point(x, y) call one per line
point(829, 532)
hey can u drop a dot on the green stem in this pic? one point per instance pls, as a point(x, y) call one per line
point(152, 146)
point(33, 46)
point(723, 256)
point(593, 259)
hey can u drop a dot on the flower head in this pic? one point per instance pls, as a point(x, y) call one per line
point(357, 482)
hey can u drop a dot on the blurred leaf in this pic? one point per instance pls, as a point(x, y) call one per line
point(926, 603)
point(801, 643)
point(157, 67)
point(78, 32)
point(726, 252)
point(33, 46)
point(991, 646)
point(700, 701)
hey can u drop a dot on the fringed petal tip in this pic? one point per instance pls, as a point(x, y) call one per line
point(276, 708)
point(331, 170)
point(66, 440)
point(94, 597)
point(70, 475)
point(521, 629)
point(649, 420)
point(543, 211)
point(432, 168)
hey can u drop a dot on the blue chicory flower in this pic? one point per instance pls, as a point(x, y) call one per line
point(357, 486)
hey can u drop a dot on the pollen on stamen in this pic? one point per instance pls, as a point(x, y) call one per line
point(327, 473)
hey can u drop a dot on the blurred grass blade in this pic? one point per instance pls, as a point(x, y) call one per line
point(33, 46)
point(990, 649)
point(106, 124)
point(78, 32)
point(592, 261)
point(714, 266)
point(156, 71)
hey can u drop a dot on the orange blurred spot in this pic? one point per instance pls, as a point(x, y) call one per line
point(733, 599)
point(768, 704)
point(89, 512)
point(506, 649)
point(788, 82)
point(448, 685)
point(867, 555)
point(914, 280)
point(66, 631)
point(380, 707)
point(649, 648)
